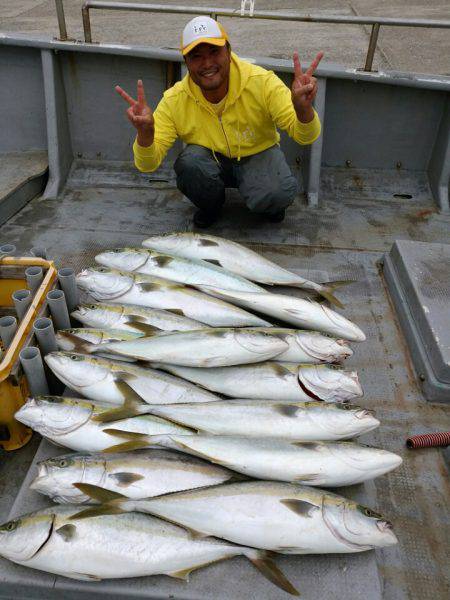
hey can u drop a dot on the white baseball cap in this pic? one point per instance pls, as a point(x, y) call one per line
point(202, 30)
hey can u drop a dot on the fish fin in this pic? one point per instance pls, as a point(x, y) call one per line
point(124, 382)
point(205, 242)
point(162, 261)
point(125, 479)
point(327, 291)
point(282, 370)
point(130, 408)
point(67, 532)
point(213, 261)
point(195, 535)
point(176, 311)
point(300, 507)
point(287, 410)
point(128, 435)
point(97, 511)
point(98, 493)
point(143, 327)
point(80, 576)
point(200, 454)
point(126, 447)
point(307, 445)
point(148, 287)
point(183, 574)
point(306, 478)
point(267, 567)
point(332, 285)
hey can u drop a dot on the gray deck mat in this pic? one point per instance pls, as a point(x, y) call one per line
point(343, 240)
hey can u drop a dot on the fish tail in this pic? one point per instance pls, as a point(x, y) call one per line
point(262, 560)
point(136, 441)
point(110, 502)
point(130, 408)
point(326, 291)
point(79, 345)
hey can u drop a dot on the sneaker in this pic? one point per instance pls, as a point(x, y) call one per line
point(204, 219)
point(276, 217)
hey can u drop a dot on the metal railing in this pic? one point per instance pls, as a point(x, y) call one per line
point(375, 22)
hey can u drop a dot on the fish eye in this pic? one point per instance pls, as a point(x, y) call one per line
point(102, 269)
point(64, 463)
point(117, 250)
point(75, 357)
point(368, 512)
point(11, 525)
point(92, 306)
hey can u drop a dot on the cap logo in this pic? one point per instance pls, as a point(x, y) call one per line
point(199, 29)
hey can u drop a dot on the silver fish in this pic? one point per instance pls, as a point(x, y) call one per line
point(212, 347)
point(138, 474)
point(274, 381)
point(296, 311)
point(109, 285)
point(71, 422)
point(320, 463)
point(174, 268)
point(299, 421)
point(237, 259)
point(133, 318)
point(112, 547)
point(115, 383)
point(282, 517)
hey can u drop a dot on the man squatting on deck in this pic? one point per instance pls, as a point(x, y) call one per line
point(227, 112)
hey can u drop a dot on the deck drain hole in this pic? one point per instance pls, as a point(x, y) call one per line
point(406, 196)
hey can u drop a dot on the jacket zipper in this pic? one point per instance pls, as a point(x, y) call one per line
point(225, 136)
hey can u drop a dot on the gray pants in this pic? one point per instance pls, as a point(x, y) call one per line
point(264, 180)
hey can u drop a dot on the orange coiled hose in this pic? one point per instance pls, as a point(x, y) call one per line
point(429, 440)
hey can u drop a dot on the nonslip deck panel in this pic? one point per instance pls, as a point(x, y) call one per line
point(418, 279)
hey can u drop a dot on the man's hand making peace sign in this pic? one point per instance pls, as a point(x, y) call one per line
point(140, 115)
point(304, 88)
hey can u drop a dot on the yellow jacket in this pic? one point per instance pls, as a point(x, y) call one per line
point(257, 103)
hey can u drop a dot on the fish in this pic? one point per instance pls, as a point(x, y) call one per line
point(133, 318)
point(117, 546)
point(109, 285)
point(174, 268)
point(70, 422)
point(115, 382)
point(280, 517)
point(296, 421)
point(331, 464)
point(275, 381)
point(68, 339)
point(139, 474)
point(296, 311)
point(212, 347)
point(238, 259)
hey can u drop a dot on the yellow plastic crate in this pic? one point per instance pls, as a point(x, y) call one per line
point(13, 384)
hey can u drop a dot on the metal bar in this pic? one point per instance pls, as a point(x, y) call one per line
point(372, 46)
point(276, 16)
point(61, 20)
point(86, 23)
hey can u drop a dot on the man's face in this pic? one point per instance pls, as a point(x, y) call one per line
point(209, 66)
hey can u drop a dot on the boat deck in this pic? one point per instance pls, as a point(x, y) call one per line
point(344, 239)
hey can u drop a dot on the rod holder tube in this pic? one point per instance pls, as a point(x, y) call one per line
point(8, 328)
point(372, 46)
point(22, 300)
point(7, 249)
point(61, 20)
point(68, 283)
point(33, 367)
point(39, 252)
point(34, 277)
point(45, 335)
point(58, 308)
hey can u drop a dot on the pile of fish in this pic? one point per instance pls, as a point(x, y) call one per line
point(211, 410)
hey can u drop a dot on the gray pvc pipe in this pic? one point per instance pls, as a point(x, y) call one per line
point(34, 277)
point(6, 249)
point(22, 300)
point(57, 303)
point(67, 281)
point(39, 252)
point(33, 367)
point(8, 328)
point(45, 335)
